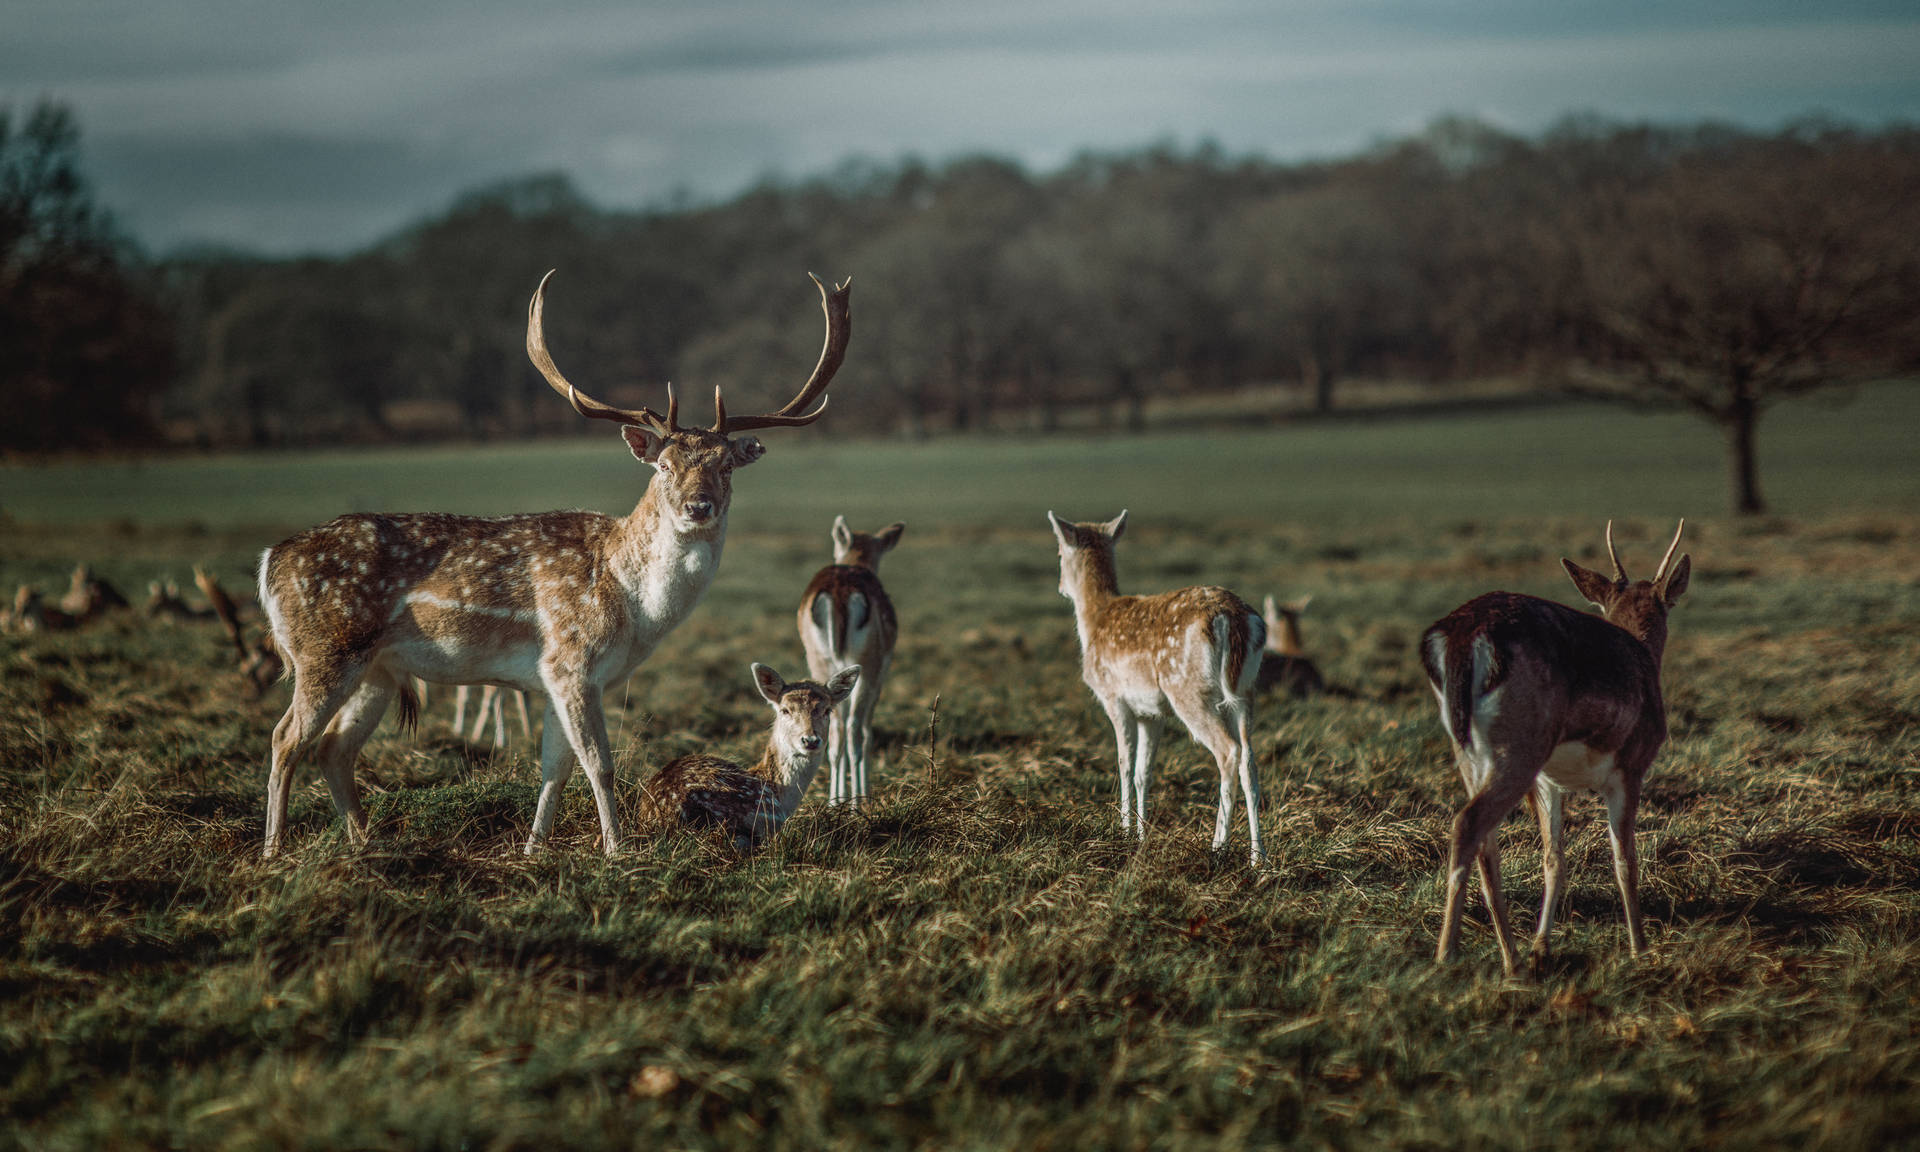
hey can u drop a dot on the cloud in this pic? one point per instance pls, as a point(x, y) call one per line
point(294, 126)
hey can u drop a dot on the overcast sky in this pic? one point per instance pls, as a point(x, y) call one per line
point(291, 127)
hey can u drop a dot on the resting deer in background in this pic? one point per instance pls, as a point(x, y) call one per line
point(260, 663)
point(1541, 700)
point(847, 621)
point(561, 603)
point(700, 791)
point(89, 595)
point(1284, 663)
point(1191, 651)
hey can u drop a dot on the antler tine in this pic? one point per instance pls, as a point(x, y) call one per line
point(1619, 569)
point(832, 353)
point(582, 403)
point(1668, 558)
point(719, 411)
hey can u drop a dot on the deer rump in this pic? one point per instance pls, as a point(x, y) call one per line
point(849, 610)
point(1506, 653)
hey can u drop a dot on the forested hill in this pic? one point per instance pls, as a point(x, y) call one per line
point(989, 296)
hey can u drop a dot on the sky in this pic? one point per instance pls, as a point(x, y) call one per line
point(298, 127)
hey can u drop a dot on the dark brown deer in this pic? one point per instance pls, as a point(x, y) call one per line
point(1541, 700)
point(561, 603)
point(1194, 652)
point(847, 621)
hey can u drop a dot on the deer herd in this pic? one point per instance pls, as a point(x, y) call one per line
point(1538, 699)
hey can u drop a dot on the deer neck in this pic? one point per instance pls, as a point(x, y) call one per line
point(1092, 585)
point(789, 775)
point(664, 565)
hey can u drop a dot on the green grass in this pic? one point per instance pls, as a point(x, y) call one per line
point(981, 961)
point(1576, 461)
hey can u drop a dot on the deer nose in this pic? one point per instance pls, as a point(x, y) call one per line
point(810, 742)
point(699, 511)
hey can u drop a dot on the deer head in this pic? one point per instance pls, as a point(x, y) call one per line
point(1086, 553)
point(863, 549)
point(694, 466)
point(802, 711)
point(1639, 606)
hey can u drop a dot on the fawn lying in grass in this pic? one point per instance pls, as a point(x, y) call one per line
point(701, 791)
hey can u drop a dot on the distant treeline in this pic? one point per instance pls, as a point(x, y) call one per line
point(1705, 266)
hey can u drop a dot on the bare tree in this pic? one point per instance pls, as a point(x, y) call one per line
point(1746, 271)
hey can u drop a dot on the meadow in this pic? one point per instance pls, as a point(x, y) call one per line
point(979, 959)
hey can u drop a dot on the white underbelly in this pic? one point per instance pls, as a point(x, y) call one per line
point(1576, 767)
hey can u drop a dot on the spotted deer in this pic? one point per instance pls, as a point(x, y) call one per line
point(565, 604)
point(847, 621)
point(1284, 664)
point(1540, 700)
point(1192, 651)
point(750, 804)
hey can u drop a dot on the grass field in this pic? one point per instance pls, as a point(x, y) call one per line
point(980, 960)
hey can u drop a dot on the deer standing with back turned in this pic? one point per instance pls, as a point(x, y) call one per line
point(1194, 652)
point(1541, 700)
point(847, 621)
point(566, 604)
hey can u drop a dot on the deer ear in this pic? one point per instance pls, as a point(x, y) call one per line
point(842, 535)
point(745, 450)
point(1063, 531)
point(1298, 606)
point(771, 686)
point(1268, 611)
point(889, 536)
point(1117, 525)
point(644, 443)
point(841, 686)
point(1596, 588)
point(1675, 582)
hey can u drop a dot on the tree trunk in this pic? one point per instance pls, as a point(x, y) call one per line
point(1319, 379)
point(1742, 419)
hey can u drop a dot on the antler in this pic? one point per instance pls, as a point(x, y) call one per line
point(795, 414)
point(1668, 558)
point(1619, 570)
point(582, 403)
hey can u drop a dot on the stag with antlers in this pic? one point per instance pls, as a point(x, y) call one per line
point(1541, 700)
point(566, 604)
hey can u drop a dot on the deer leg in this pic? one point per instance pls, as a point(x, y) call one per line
point(1549, 804)
point(1622, 801)
point(1249, 778)
point(1477, 821)
point(1489, 861)
point(526, 723)
point(1123, 736)
point(340, 746)
point(499, 717)
point(866, 693)
point(1146, 741)
point(556, 768)
point(316, 697)
point(1221, 727)
point(460, 709)
point(576, 706)
point(839, 773)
